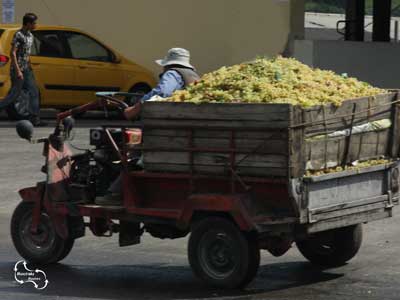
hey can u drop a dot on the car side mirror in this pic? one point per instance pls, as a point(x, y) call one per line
point(25, 130)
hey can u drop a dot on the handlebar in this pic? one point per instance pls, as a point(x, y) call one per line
point(64, 125)
point(109, 100)
point(116, 94)
point(105, 98)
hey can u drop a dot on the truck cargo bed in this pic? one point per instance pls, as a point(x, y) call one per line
point(266, 140)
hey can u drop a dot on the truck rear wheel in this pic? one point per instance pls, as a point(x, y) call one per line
point(44, 247)
point(221, 255)
point(332, 248)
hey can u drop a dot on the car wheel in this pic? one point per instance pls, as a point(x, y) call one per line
point(140, 89)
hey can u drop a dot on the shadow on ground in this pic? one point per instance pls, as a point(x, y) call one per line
point(159, 281)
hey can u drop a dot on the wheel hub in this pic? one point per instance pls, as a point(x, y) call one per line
point(217, 255)
point(43, 239)
point(324, 244)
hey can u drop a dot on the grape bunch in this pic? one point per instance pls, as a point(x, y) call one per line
point(278, 80)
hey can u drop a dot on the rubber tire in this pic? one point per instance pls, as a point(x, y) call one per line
point(59, 250)
point(247, 248)
point(346, 244)
point(69, 244)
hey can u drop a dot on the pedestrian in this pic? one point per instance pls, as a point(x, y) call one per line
point(22, 77)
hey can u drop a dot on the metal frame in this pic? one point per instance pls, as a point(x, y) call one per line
point(360, 210)
point(292, 193)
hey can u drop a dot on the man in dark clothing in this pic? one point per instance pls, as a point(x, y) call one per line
point(22, 77)
point(178, 73)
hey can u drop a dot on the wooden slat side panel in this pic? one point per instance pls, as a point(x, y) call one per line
point(223, 134)
point(297, 146)
point(266, 165)
point(316, 154)
point(234, 124)
point(370, 145)
point(380, 108)
point(394, 147)
point(362, 147)
point(373, 145)
point(215, 111)
point(208, 115)
point(265, 146)
point(166, 126)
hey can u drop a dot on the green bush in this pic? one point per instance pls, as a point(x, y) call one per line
point(324, 8)
point(339, 6)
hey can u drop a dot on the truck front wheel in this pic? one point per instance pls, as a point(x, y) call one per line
point(222, 255)
point(44, 247)
point(332, 248)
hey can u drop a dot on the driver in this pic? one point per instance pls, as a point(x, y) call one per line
point(177, 74)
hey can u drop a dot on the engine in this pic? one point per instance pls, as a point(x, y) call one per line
point(92, 172)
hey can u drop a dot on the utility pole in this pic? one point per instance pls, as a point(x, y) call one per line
point(355, 20)
point(382, 17)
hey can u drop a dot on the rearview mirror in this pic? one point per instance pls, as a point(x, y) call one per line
point(25, 130)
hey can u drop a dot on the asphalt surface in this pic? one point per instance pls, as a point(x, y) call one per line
point(158, 269)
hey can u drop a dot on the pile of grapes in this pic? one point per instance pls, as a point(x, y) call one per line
point(356, 167)
point(278, 80)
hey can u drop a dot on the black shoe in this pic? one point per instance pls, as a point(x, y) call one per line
point(41, 124)
point(109, 199)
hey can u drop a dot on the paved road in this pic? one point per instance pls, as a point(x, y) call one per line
point(98, 269)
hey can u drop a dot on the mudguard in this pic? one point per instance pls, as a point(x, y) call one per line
point(32, 194)
point(234, 205)
point(36, 195)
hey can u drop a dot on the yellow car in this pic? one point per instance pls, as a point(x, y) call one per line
point(71, 65)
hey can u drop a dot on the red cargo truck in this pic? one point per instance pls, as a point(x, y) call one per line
point(237, 177)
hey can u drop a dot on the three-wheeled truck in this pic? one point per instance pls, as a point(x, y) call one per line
point(237, 177)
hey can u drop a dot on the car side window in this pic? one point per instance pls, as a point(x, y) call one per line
point(48, 44)
point(35, 46)
point(86, 48)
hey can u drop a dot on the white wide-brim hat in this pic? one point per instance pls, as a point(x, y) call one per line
point(176, 56)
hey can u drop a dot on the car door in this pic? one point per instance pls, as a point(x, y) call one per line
point(52, 68)
point(96, 69)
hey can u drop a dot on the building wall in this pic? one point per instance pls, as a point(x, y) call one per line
point(218, 32)
point(375, 63)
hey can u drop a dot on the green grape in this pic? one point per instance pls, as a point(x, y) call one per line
point(277, 80)
point(359, 166)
